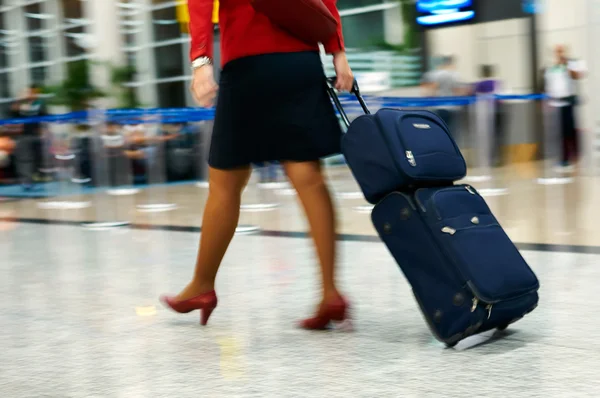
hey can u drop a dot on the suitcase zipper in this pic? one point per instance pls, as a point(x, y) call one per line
point(488, 307)
point(408, 153)
point(449, 230)
point(475, 304)
point(453, 231)
point(411, 158)
point(432, 199)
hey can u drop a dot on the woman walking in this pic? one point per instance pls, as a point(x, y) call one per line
point(272, 106)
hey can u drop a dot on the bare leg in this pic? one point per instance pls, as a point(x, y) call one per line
point(307, 178)
point(221, 216)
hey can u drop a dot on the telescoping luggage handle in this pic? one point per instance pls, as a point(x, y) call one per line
point(336, 100)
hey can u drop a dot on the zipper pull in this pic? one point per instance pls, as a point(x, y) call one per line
point(448, 230)
point(475, 304)
point(411, 158)
point(469, 189)
point(489, 310)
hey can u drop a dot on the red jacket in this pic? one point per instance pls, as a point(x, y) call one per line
point(245, 32)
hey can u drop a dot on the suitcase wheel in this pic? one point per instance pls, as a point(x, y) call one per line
point(502, 327)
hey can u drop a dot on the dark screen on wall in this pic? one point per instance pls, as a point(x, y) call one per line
point(490, 11)
point(497, 10)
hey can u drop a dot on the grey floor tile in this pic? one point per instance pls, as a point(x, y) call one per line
point(79, 317)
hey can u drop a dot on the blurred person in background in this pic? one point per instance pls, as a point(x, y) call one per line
point(180, 151)
point(444, 81)
point(138, 149)
point(117, 164)
point(561, 86)
point(7, 146)
point(272, 106)
point(146, 147)
point(30, 146)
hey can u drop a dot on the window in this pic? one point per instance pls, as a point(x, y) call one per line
point(39, 75)
point(36, 41)
point(169, 61)
point(4, 85)
point(75, 41)
point(72, 9)
point(344, 4)
point(37, 49)
point(130, 24)
point(74, 31)
point(34, 17)
point(364, 30)
point(168, 54)
point(7, 44)
point(165, 25)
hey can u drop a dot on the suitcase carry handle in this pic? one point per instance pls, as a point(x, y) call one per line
point(336, 100)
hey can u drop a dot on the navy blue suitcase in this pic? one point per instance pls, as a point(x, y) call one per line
point(467, 275)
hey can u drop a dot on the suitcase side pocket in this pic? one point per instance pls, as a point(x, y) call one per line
point(492, 265)
point(482, 252)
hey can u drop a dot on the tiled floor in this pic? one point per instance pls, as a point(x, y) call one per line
point(79, 315)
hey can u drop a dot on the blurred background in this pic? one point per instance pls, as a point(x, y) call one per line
point(70, 55)
point(99, 132)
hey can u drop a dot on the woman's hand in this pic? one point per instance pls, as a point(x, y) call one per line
point(204, 88)
point(345, 78)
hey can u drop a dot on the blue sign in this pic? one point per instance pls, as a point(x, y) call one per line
point(437, 12)
point(532, 6)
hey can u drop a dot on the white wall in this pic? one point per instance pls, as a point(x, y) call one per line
point(562, 22)
point(593, 59)
point(458, 41)
point(574, 23)
point(504, 44)
point(393, 25)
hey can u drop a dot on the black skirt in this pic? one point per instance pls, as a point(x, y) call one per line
point(273, 107)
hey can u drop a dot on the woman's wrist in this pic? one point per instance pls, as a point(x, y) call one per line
point(201, 62)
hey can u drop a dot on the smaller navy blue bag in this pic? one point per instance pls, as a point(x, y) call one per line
point(395, 150)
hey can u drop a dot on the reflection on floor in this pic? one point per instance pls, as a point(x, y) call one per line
point(80, 318)
point(530, 212)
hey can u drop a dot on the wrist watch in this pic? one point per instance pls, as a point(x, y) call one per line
point(200, 62)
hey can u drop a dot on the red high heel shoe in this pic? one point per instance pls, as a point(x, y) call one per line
point(206, 303)
point(336, 311)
